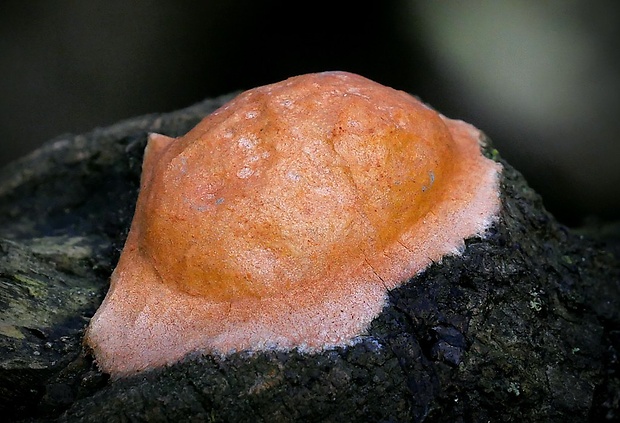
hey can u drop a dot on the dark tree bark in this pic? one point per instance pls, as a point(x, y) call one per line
point(524, 326)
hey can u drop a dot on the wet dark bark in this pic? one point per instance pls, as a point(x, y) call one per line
point(524, 326)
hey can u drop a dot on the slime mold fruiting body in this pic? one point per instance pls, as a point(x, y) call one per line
point(281, 220)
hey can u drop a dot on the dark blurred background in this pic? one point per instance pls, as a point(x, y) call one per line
point(542, 79)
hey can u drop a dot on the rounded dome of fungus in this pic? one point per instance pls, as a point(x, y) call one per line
point(282, 219)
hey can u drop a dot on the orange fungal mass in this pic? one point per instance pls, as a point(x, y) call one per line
point(281, 220)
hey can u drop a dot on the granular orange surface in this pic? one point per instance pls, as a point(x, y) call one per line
point(281, 220)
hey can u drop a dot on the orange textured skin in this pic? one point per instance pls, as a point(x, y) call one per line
point(282, 219)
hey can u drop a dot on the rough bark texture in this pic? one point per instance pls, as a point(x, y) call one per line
point(524, 326)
